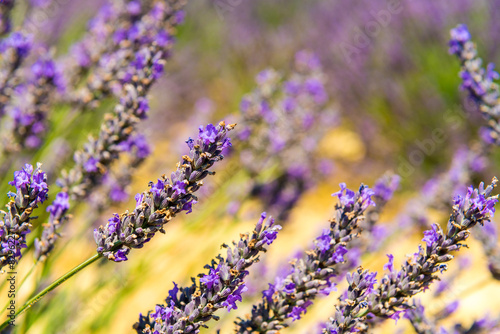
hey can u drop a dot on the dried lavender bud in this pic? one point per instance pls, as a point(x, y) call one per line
point(478, 81)
point(98, 154)
point(352, 301)
point(31, 189)
point(391, 297)
point(221, 287)
point(311, 275)
point(283, 120)
point(166, 198)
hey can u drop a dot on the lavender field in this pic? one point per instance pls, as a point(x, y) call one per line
point(249, 166)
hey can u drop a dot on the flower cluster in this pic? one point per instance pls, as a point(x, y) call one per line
point(221, 287)
point(478, 81)
point(31, 190)
point(310, 275)
point(166, 198)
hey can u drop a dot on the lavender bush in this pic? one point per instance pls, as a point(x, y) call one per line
point(97, 100)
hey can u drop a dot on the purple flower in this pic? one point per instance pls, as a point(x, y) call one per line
point(230, 302)
point(270, 235)
point(114, 223)
point(386, 186)
point(121, 255)
point(431, 236)
point(297, 311)
point(208, 135)
point(17, 41)
point(211, 279)
point(459, 36)
point(324, 241)
point(22, 178)
point(348, 199)
point(268, 293)
point(389, 265)
point(60, 205)
point(338, 255)
point(179, 188)
point(134, 7)
point(289, 288)
point(91, 165)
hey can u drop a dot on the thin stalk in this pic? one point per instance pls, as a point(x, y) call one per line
point(52, 286)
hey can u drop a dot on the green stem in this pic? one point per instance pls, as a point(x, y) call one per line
point(52, 286)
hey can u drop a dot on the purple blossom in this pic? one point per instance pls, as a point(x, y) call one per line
point(91, 165)
point(338, 255)
point(431, 236)
point(114, 223)
point(348, 198)
point(230, 302)
point(297, 311)
point(389, 265)
point(324, 241)
point(211, 279)
point(270, 235)
point(60, 205)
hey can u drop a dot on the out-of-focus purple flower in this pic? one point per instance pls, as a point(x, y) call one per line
point(59, 205)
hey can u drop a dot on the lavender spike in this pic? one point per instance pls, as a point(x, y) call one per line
point(220, 288)
point(309, 276)
point(31, 190)
point(478, 81)
point(390, 298)
point(166, 198)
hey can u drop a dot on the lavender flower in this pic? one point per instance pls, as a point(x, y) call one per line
point(390, 298)
point(31, 190)
point(311, 275)
point(478, 81)
point(220, 288)
point(166, 198)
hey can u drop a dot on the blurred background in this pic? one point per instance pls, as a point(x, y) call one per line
point(392, 86)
